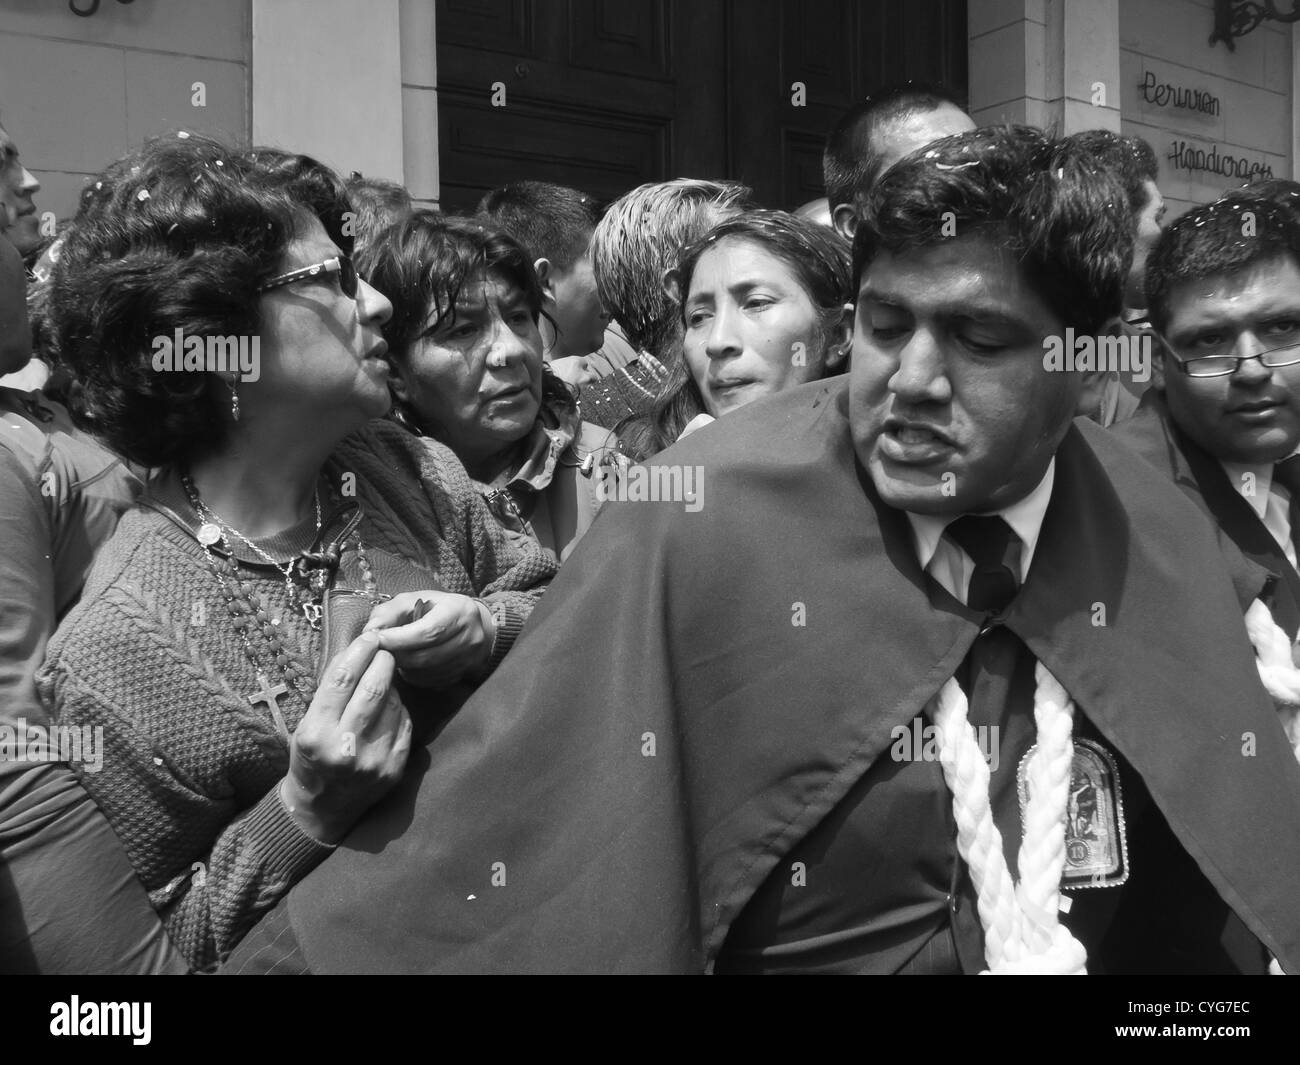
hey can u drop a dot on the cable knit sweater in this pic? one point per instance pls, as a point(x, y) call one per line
point(151, 655)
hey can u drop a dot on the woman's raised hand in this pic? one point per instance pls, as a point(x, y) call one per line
point(352, 744)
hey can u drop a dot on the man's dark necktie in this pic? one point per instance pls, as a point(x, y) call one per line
point(1287, 474)
point(995, 550)
point(997, 673)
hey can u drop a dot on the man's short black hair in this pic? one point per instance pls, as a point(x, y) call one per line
point(1232, 233)
point(553, 222)
point(850, 163)
point(1279, 190)
point(1130, 158)
point(1040, 198)
point(376, 204)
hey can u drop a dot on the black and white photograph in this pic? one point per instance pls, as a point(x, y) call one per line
point(651, 487)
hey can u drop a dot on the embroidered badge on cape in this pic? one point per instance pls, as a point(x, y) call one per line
point(1096, 844)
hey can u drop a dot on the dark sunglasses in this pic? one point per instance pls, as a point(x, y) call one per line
point(339, 264)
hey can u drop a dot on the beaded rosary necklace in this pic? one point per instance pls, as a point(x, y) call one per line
point(306, 578)
point(214, 528)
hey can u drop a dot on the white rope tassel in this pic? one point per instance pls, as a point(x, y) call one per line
point(1277, 670)
point(978, 840)
point(1281, 679)
point(1022, 929)
point(1042, 851)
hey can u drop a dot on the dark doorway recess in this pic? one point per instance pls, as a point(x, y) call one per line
point(607, 94)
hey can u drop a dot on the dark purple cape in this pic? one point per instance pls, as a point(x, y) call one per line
point(677, 627)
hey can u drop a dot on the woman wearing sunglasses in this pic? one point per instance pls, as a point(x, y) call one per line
point(468, 371)
point(238, 747)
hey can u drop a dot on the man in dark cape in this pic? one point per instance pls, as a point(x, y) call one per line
point(708, 706)
point(1153, 434)
point(1206, 279)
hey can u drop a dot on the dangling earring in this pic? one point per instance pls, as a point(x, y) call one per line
point(402, 416)
point(234, 399)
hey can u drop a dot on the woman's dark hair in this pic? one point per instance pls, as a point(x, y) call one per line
point(422, 262)
point(1063, 218)
point(312, 185)
point(820, 261)
point(179, 234)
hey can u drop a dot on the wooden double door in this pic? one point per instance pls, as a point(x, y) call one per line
point(604, 95)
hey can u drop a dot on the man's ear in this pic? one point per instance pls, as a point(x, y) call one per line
point(845, 220)
point(837, 355)
point(1090, 396)
point(544, 279)
point(1158, 357)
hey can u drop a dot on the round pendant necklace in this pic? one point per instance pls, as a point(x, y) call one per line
point(216, 529)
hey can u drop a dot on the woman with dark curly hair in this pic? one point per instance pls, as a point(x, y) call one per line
point(468, 371)
point(765, 300)
point(207, 306)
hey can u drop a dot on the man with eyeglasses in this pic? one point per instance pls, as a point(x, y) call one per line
point(1223, 414)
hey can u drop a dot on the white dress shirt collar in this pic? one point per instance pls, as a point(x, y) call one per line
point(1254, 482)
point(1025, 518)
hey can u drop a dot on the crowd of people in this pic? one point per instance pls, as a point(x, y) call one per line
point(334, 639)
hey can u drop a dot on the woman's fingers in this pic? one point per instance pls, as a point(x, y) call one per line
point(444, 621)
point(395, 611)
point(342, 675)
point(373, 693)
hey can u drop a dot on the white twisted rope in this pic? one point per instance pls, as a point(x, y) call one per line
point(1277, 670)
point(1042, 850)
point(1022, 929)
point(1281, 679)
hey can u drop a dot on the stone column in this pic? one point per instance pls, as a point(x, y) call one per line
point(420, 100)
point(1048, 63)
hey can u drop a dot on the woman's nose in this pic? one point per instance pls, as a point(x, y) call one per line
point(375, 306)
point(723, 340)
point(507, 347)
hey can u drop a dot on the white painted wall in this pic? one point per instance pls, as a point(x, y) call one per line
point(1253, 84)
point(1036, 61)
point(327, 81)
point(76, 93)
